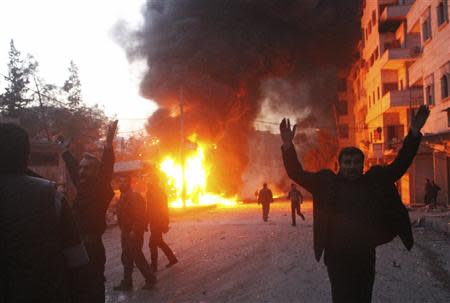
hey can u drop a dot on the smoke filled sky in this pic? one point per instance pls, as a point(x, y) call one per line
point(279, 54)
point(240, 61)
point(57, 31)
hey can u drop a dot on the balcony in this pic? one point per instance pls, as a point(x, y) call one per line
point(394, 58)
point(395, 100)
point(392, 16)
point(394, 13)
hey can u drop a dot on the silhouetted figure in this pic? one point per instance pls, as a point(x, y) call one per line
point(296, 198)
point(355, 212)
point(132, 222)
point(92, 179)
point(428, 187)
point(39, 241)
point(434, 191)
point(265, 197)
point(158, 215)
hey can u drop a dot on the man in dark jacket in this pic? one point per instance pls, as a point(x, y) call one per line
point(158, 215)
point(355, 212)
point(39, 241)
point(296, 198)
point(92, 179)
point(265, 197)
point(132, 222)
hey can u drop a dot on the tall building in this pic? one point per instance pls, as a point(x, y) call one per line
point(403, 62)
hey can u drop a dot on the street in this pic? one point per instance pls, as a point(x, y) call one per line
point(231, 255)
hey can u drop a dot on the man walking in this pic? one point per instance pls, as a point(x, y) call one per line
point(158, 214)
point(296, 198)
point(354, 211)
point(39, 241)
point(92, 179)
point(265, 197)
point(132, 222)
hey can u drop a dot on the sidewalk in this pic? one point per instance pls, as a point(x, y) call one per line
point(437, 219)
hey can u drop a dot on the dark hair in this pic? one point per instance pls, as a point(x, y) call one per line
point(14, 148)
point(351, 150)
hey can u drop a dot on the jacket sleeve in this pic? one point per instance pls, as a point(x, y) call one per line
point(74, 251)
point(295, 171)
point(72, 167)
point(405, 156)
point(139, 215)
point(105, 176)
point(107, 164)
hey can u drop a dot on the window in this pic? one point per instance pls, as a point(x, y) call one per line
point(401, 84)
point(343, 131)
point(442, 12)
point(444, 87)
point(374, 17)
point(377, 134)
point(429, 94)
point(448, 117)
point(378, 93)
point(342, 108)
point(426, 27)
point(373, 96)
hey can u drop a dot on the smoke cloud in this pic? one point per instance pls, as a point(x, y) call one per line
point(231, 57)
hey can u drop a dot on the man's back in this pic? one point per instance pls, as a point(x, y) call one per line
point(31, 250)
point(131, 212)
point(265, 195)
point(157, 208)
point(295, 195)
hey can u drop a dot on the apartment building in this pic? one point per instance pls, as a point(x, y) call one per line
point(403, 63)
point(344, 115)
point(431, 72)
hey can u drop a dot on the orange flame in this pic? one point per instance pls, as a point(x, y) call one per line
point(196, 181)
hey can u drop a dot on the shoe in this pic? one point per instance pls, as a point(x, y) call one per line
point(172, 263)
point(124, 286)
point(149, 284)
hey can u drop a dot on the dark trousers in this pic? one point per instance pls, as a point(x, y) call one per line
point(265, 210)
point(88, 281)
point(132, 255)
point(351, 275)
point(295, 209)
point(156, 240)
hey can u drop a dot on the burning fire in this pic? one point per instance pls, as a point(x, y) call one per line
point(196, 180)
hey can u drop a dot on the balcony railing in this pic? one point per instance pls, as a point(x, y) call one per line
point(395, 13)
point(395, 99)
point(392, 57)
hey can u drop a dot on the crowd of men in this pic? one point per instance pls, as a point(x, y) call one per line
point(53, 252)
point(50, 252)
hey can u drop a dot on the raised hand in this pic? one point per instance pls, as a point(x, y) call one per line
point(111, 133)
point(287, 134)
point(419, 119)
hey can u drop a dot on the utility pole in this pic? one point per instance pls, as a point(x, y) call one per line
point(182, 150)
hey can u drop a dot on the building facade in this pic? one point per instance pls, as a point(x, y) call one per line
point(403, 62)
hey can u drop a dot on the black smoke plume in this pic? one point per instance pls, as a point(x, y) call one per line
point(220, 52)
